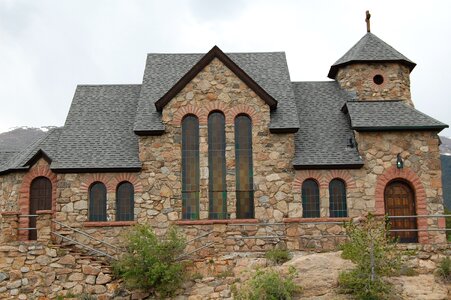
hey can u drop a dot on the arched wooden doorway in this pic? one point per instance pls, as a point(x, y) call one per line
point(400, 201)
point(40, 199)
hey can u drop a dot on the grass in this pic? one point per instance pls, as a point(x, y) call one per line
point(444, 269)
point(278, 256)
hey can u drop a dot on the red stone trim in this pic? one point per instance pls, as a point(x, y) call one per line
point(97, 177)
point(312, 220)
point(24, 194)
point(211, 222)
point(44, 212)
point(340, 174)
point(412, 178)
point(301, 176)
point(130, 177)
point(216, 106)
point(199, 112)
point(242, 109)
point(109, 223)
point(10, 213)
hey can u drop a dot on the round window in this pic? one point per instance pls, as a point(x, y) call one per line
point(378, 79)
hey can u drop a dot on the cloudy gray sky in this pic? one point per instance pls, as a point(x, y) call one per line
point(48, 47)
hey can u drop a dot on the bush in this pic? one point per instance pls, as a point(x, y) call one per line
point(444, 269)
point(278, 256)
point(375, 254)
point(150, 262)
point(268, 285)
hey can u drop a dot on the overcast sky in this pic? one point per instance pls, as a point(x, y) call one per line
point(48, 47)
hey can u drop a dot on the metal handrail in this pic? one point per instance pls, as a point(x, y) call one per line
point(195, 250)
point(83, 245)
point(198, 237)
point(86, 234)
point(419, 216)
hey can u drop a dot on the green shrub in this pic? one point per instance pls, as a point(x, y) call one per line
point(375, 254)
point(444, 269)
point(359, 284)
point(278, 256)
point(150, 262)
point(268, 285)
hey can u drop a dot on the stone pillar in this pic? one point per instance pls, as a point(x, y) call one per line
point(44, 225)
point(9, 227)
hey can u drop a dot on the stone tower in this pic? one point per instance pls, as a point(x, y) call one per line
point(374, 71)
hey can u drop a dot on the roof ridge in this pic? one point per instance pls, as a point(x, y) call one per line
point(203, 53)
point(377, 101)
point(118, 84)
point(315, 81)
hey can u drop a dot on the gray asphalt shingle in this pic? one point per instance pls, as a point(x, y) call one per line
point(98, 132)
point(269, 70)
point(323, 138)
point(47, 143)
point(388, 115)
point(370, 48)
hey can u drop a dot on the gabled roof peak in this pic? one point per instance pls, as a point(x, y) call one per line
point(370, 48)
point(215, 52)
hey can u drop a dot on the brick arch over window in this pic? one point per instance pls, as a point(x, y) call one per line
point(199, 112)
point(242, 109)
point(308, 174)
point(217, 106)
point(340, 174)
point(24, 195)
point(130, 177)
point(414, 181)
point(97, 177)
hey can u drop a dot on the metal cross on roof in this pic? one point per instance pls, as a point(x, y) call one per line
point(367, 20)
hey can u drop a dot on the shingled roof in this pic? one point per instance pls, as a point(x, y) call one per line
point(370, 48)
point(268, 70)
point(388, 115)
point(45, 145)
point(98, 133)
point(322, 141)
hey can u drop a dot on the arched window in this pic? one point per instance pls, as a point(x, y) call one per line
point(97, 202)
point(310, 199)
point(243, 168)
point(40, 199)
point(190, 167)
point(125, 201)
point(217, 166)
point(337, 199)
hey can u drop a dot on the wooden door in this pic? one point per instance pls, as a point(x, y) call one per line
point(400, 201)
point(40, 199)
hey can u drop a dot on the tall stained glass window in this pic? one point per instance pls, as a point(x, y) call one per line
point(217, 166)
point(244, 169)
point(190, 168)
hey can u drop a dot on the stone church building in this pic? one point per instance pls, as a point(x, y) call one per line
point(228, 148)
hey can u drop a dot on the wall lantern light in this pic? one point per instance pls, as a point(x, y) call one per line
point(399, 161)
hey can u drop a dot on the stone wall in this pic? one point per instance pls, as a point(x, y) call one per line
point(217, 88)
point(41, 268)
point(358, 77)
point(277, 186)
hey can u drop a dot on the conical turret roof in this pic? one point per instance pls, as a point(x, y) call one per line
point(370, 48)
